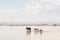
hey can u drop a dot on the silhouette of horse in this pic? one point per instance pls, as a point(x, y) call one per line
point(36, 29)
point(41, 30)
point(28, 28)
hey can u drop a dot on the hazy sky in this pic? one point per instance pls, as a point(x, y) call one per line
point(29, 11)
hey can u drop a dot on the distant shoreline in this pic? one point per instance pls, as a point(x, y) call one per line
point(29, 24)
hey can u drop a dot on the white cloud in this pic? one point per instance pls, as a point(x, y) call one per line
point(32, 8)
point(30, 13)
point(29, 19)
point(35, 8)
point(45, 0)
point(48, 7)
point(8, 11)
point(55, 2)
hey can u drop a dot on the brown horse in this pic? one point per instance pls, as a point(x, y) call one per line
point(28, 28)
point(36, 29)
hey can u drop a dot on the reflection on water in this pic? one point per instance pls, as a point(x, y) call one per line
point(28, 35)
point(33, 35)
point(41, 32)
point(20, 33)
point(28, 32)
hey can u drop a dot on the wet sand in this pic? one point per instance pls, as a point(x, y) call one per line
point(20, 33)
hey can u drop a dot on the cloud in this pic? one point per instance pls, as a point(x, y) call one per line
point(48, 7)
point(32, 8)
point(55, 2)
point(8, 11)
point(45, 0)
point(32, 12)
point(55, 10)
point(36, 7)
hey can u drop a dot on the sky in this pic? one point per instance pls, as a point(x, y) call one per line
point(29, 11)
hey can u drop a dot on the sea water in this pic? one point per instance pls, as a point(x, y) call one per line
point(20, 33)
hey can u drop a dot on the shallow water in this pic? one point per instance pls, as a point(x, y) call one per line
point(20, 33)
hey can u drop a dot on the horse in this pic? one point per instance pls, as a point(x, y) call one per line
point(28, 28)
point(36, 29)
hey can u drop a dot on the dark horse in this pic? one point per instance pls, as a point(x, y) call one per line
point(28, 28)
point(41, 30)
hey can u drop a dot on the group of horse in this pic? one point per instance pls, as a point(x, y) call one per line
point(36, 29)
